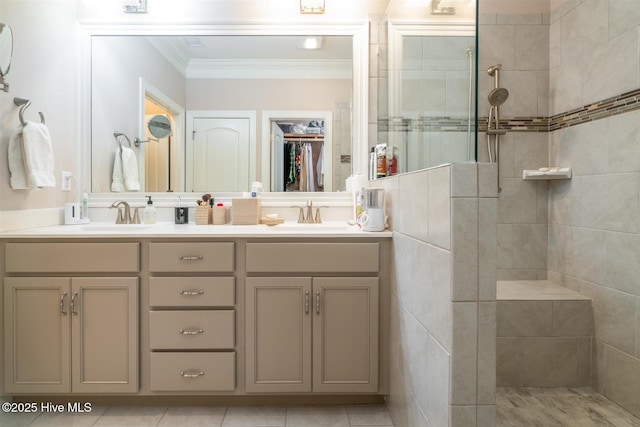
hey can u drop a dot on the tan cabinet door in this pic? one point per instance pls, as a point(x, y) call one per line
point(104, 319)
point(278, 334)
point(345, 334)
point(36, 323)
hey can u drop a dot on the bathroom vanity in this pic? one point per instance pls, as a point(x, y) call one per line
point(196, 310)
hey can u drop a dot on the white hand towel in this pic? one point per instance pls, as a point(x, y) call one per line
point(130, 169)
point(16, 161)
point(38, 155)
point(117, 179)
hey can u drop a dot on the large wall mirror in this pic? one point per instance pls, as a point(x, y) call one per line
point(231, 78)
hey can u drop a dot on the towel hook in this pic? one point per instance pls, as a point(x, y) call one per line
point(24, 104)
point(121, 137)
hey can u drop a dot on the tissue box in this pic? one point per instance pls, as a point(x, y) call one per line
point(245, 211)
point(203, 215)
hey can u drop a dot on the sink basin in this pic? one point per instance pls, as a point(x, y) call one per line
point(294, 227)
point(115, 228)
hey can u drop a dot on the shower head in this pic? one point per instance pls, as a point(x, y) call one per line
point(498, 96)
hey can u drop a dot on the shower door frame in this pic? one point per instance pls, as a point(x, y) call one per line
point(395, 32)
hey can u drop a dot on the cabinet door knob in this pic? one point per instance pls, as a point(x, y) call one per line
point(64, 295)
point(191, 331)
point(191, 292)
point(191, 374)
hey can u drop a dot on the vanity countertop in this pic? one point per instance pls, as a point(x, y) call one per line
point(168, 229)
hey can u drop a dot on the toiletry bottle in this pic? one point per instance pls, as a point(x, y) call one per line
point(149, 212)
point(372, 164)
point(360, 203)
point(84, 213)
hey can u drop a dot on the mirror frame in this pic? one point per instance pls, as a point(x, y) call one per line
point(359, 31)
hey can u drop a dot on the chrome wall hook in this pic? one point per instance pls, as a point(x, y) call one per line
point(24, 104)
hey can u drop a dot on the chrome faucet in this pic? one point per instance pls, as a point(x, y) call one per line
point(125, 217)
point(309, 218)
point(309, 215)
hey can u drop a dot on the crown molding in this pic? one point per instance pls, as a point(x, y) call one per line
point(269, 69)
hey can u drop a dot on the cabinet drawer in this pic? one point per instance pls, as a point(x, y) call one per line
point(192, 371)
point(72, 257)
point(188, 330)
point(312, 257)
point(192, 291)
point(191, 257)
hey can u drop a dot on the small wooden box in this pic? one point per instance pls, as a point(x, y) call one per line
point(245, 211)
point(203, 215)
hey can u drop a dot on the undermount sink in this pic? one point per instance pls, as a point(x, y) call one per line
point(320, 228)
point(115, 227)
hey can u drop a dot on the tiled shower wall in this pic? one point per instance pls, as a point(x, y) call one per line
point(594, 224)
point(443, 305)
point(521, 44)
point(588, 98)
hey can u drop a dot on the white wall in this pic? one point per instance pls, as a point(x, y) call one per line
point(43, 70)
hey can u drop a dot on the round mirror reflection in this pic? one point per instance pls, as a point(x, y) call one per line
point(6, 49)
point(159, 126)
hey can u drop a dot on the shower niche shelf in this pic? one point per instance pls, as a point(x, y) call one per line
point(553, 173)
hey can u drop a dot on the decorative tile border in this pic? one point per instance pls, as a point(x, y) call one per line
point(423, 124)
point(609, 107)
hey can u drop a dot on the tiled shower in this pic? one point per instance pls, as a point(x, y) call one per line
point(584, 233)
point(573, 74)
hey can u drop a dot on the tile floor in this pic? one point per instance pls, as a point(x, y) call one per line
point(559, 407)
point(238, 416)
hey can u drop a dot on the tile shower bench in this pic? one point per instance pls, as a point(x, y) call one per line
point(544, 335)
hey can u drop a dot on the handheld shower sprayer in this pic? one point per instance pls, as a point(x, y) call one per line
point(497, 97)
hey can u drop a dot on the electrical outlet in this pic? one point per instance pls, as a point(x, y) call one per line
point(66, 181)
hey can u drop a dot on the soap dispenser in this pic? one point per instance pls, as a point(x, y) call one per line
point(149, 212)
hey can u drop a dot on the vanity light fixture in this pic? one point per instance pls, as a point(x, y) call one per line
point(312, 6)
point(134, 6)
point(310, 42)
point(442, 7)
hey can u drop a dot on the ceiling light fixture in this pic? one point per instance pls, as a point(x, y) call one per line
point(134, 6)
point(310, 42)
point(312, 6)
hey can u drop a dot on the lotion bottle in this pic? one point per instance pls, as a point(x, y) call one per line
point(84, 212)
point(149, 212)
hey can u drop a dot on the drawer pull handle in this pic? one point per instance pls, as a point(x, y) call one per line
point(191, 374)
point(192, 292)
point(64, 295)
point(191, 331)
point(191, 257)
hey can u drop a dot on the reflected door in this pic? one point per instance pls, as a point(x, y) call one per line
point(220, 153)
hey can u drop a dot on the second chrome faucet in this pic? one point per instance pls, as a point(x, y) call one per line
point(309, 218)
point(125, 217)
